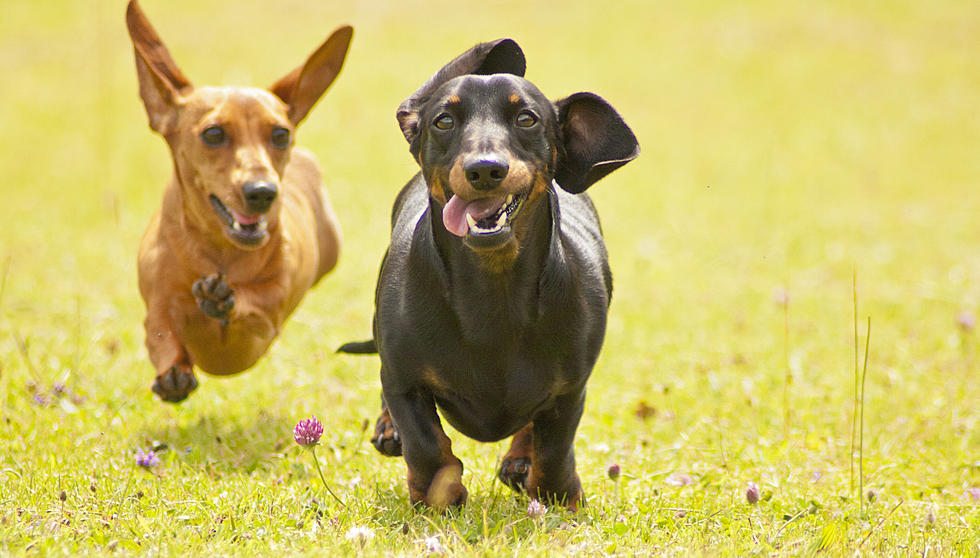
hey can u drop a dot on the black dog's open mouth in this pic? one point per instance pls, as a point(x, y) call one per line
point(245, 229)
point(485, 221)
point(495, 222)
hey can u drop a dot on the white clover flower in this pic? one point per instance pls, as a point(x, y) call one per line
point(433, 545)
point(536, 509)
point(359, 534)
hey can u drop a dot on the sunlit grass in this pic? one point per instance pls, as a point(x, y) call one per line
point(784, 147)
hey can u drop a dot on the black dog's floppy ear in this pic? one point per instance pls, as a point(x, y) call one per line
point(595, 141)
point(502, 56)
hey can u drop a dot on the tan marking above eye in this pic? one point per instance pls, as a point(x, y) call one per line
point(515, 98)
point(453, 99)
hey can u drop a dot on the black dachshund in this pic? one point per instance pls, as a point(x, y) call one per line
point(492, 298)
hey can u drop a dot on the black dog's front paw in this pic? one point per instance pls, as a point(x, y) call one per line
point(513, 472)
point(386, 439)
point(214, 296)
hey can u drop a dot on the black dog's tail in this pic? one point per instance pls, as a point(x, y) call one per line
point(369, 347)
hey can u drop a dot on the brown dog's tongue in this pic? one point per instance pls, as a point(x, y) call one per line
point(456, 209)
point(246, 219)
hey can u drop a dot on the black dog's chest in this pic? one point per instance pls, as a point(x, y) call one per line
point(489, 401)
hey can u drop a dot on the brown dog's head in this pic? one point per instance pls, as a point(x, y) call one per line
point(490, 144)
point(230, 145)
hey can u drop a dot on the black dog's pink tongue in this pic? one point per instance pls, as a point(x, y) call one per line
point(456, 209)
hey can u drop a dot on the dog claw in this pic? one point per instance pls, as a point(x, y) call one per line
point(386, 438)
point(221, 290)
point(513, 472)
point(215, 298)
point(175, 384)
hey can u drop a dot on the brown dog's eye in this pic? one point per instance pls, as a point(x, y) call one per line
point(444, 122)
point(280, 138)
point(526, 119)
point(213, 135)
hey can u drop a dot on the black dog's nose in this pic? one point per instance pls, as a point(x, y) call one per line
point(486, 173)
point(259, 195)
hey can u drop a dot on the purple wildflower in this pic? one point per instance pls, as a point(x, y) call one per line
point(780, 296)
point(872, 495)
point(679, 479)
point(752, 493)
point(974, 494)
point(308, 431)
point(536, 509)
point(614, 471)
point(148, 459)
point(434, 546)
point(966, 320)
point(307, 434)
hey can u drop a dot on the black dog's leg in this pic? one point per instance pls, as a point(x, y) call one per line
point(386, 438)
point(552, 477)
point(434, 473)
point(517, 462)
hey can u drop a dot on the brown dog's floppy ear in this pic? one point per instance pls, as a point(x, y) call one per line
point(595, 141)
point(303, 87)
point(161, 81)
point(502, 56)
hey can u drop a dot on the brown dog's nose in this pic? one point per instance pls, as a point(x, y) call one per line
point(259, 195)
point(486, 172)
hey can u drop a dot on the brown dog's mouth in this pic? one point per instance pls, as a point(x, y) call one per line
point(245, 229)
point(483, 218)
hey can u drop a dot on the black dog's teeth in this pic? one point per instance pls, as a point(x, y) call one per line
point(512, 207)
point(488, 222)
point(494, 223)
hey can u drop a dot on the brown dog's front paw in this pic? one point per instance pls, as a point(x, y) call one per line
point(214, 296)
point(386, 439)
point(513, 472)
point(175, 384)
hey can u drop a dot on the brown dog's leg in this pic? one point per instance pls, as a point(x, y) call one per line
point(434, 473)
point(175, 378)
point(552, 476)
point(517, 462)
point(214, 297)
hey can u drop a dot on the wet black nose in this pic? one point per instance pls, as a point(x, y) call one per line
point(259, 195)
point(486, 173)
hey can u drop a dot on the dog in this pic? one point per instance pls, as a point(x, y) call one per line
point(246, 227)
point(492, 297)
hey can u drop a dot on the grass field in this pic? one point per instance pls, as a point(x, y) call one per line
point(787, 147)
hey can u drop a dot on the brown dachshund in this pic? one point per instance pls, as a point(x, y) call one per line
point(246, 227)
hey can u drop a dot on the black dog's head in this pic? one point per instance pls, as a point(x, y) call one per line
point(490, 143)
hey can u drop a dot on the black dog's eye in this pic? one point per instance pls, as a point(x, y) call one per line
point(280, 138)
point(213, 135)
point(444, 122)
point(526, 119)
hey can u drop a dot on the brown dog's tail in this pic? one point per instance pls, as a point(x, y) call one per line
point(369, 347)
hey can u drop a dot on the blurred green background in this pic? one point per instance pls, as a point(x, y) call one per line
point(786, 147)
